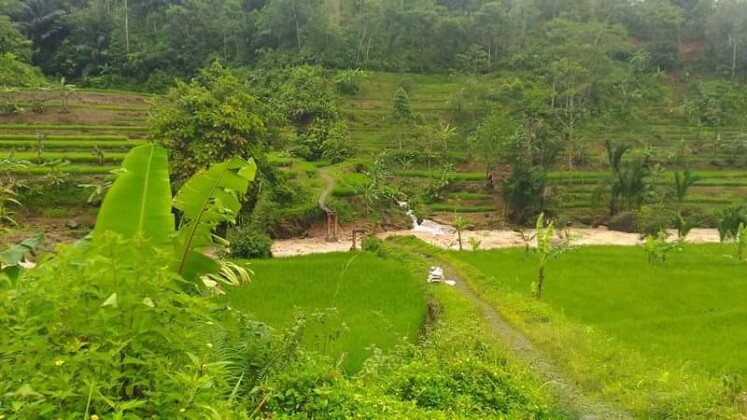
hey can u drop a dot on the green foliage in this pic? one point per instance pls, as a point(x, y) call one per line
point(474, 243)
point(139, 202)
point(524, 192)
point(653, 218)
point(209, 119)
point(350, 301)
point(474, 61)
point(401, 109)
point(16, 73)
point(548, 248)
point(12, 258)
point(206, 200)
point(494, 139)
point(347, 82)
point(728, 221)
point(683, 226)
point(307, 103)
point(460, 224)
point(682, 183)
point(12, 41)
point(7, 200)
point(595, 305)
point(248, 243)
point(129, 340)
point(371, 244)
point(658, 247)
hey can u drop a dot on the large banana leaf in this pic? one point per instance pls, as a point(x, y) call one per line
point(208, 199)
point(138, 205)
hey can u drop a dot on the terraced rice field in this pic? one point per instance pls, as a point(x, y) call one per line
point(91, 137)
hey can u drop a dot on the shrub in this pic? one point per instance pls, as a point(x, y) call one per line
point(16, 73)
point(729, 220)
point(250, 243)
point(372, 244)
point(651, 219)
point(120, 339)
point(347, 82)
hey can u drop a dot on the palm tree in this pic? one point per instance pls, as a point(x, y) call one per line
point(41, 21)
point(682, 183)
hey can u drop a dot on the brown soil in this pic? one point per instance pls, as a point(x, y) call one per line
point(55, 231)
point(88, 98)
point(76, 116)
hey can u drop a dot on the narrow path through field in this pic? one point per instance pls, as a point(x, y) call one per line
point(542, 366)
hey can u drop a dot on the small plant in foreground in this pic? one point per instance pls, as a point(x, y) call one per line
point(683, 227)
point(474, 243)
point(658, 247)
point(460, 224)
point(547, 249)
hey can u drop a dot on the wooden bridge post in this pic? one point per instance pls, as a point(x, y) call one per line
point(332, 226)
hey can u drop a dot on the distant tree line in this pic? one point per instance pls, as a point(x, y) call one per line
point(149, 42)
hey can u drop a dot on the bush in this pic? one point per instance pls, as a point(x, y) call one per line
point(729, 220)
point(16, 73)
point(652, 219)
point(118, 338)
point(347, 82)
point(250, 243)
point(372, 244)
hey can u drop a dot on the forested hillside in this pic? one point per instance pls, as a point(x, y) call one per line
point(145, 43)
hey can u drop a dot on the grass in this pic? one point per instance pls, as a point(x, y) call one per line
point(34, 138)
point(71, 144)
point(453, 208)
point(469, 196)
point(73, 169)
point(613, 288)
point(76, 157)
point(454, 176)
point(377, 302)
point(81, 128)
point(608, 287)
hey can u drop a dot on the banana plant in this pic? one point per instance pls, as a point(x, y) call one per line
point(139, 207)
point(207, 200)
point(547, 249)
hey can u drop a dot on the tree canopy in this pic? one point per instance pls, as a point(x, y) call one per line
point(147, 44)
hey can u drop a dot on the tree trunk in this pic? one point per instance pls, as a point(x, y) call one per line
point(459, 239)
point(733, 58)
point(540, 282)
point(298, 26)
point(127, 27)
